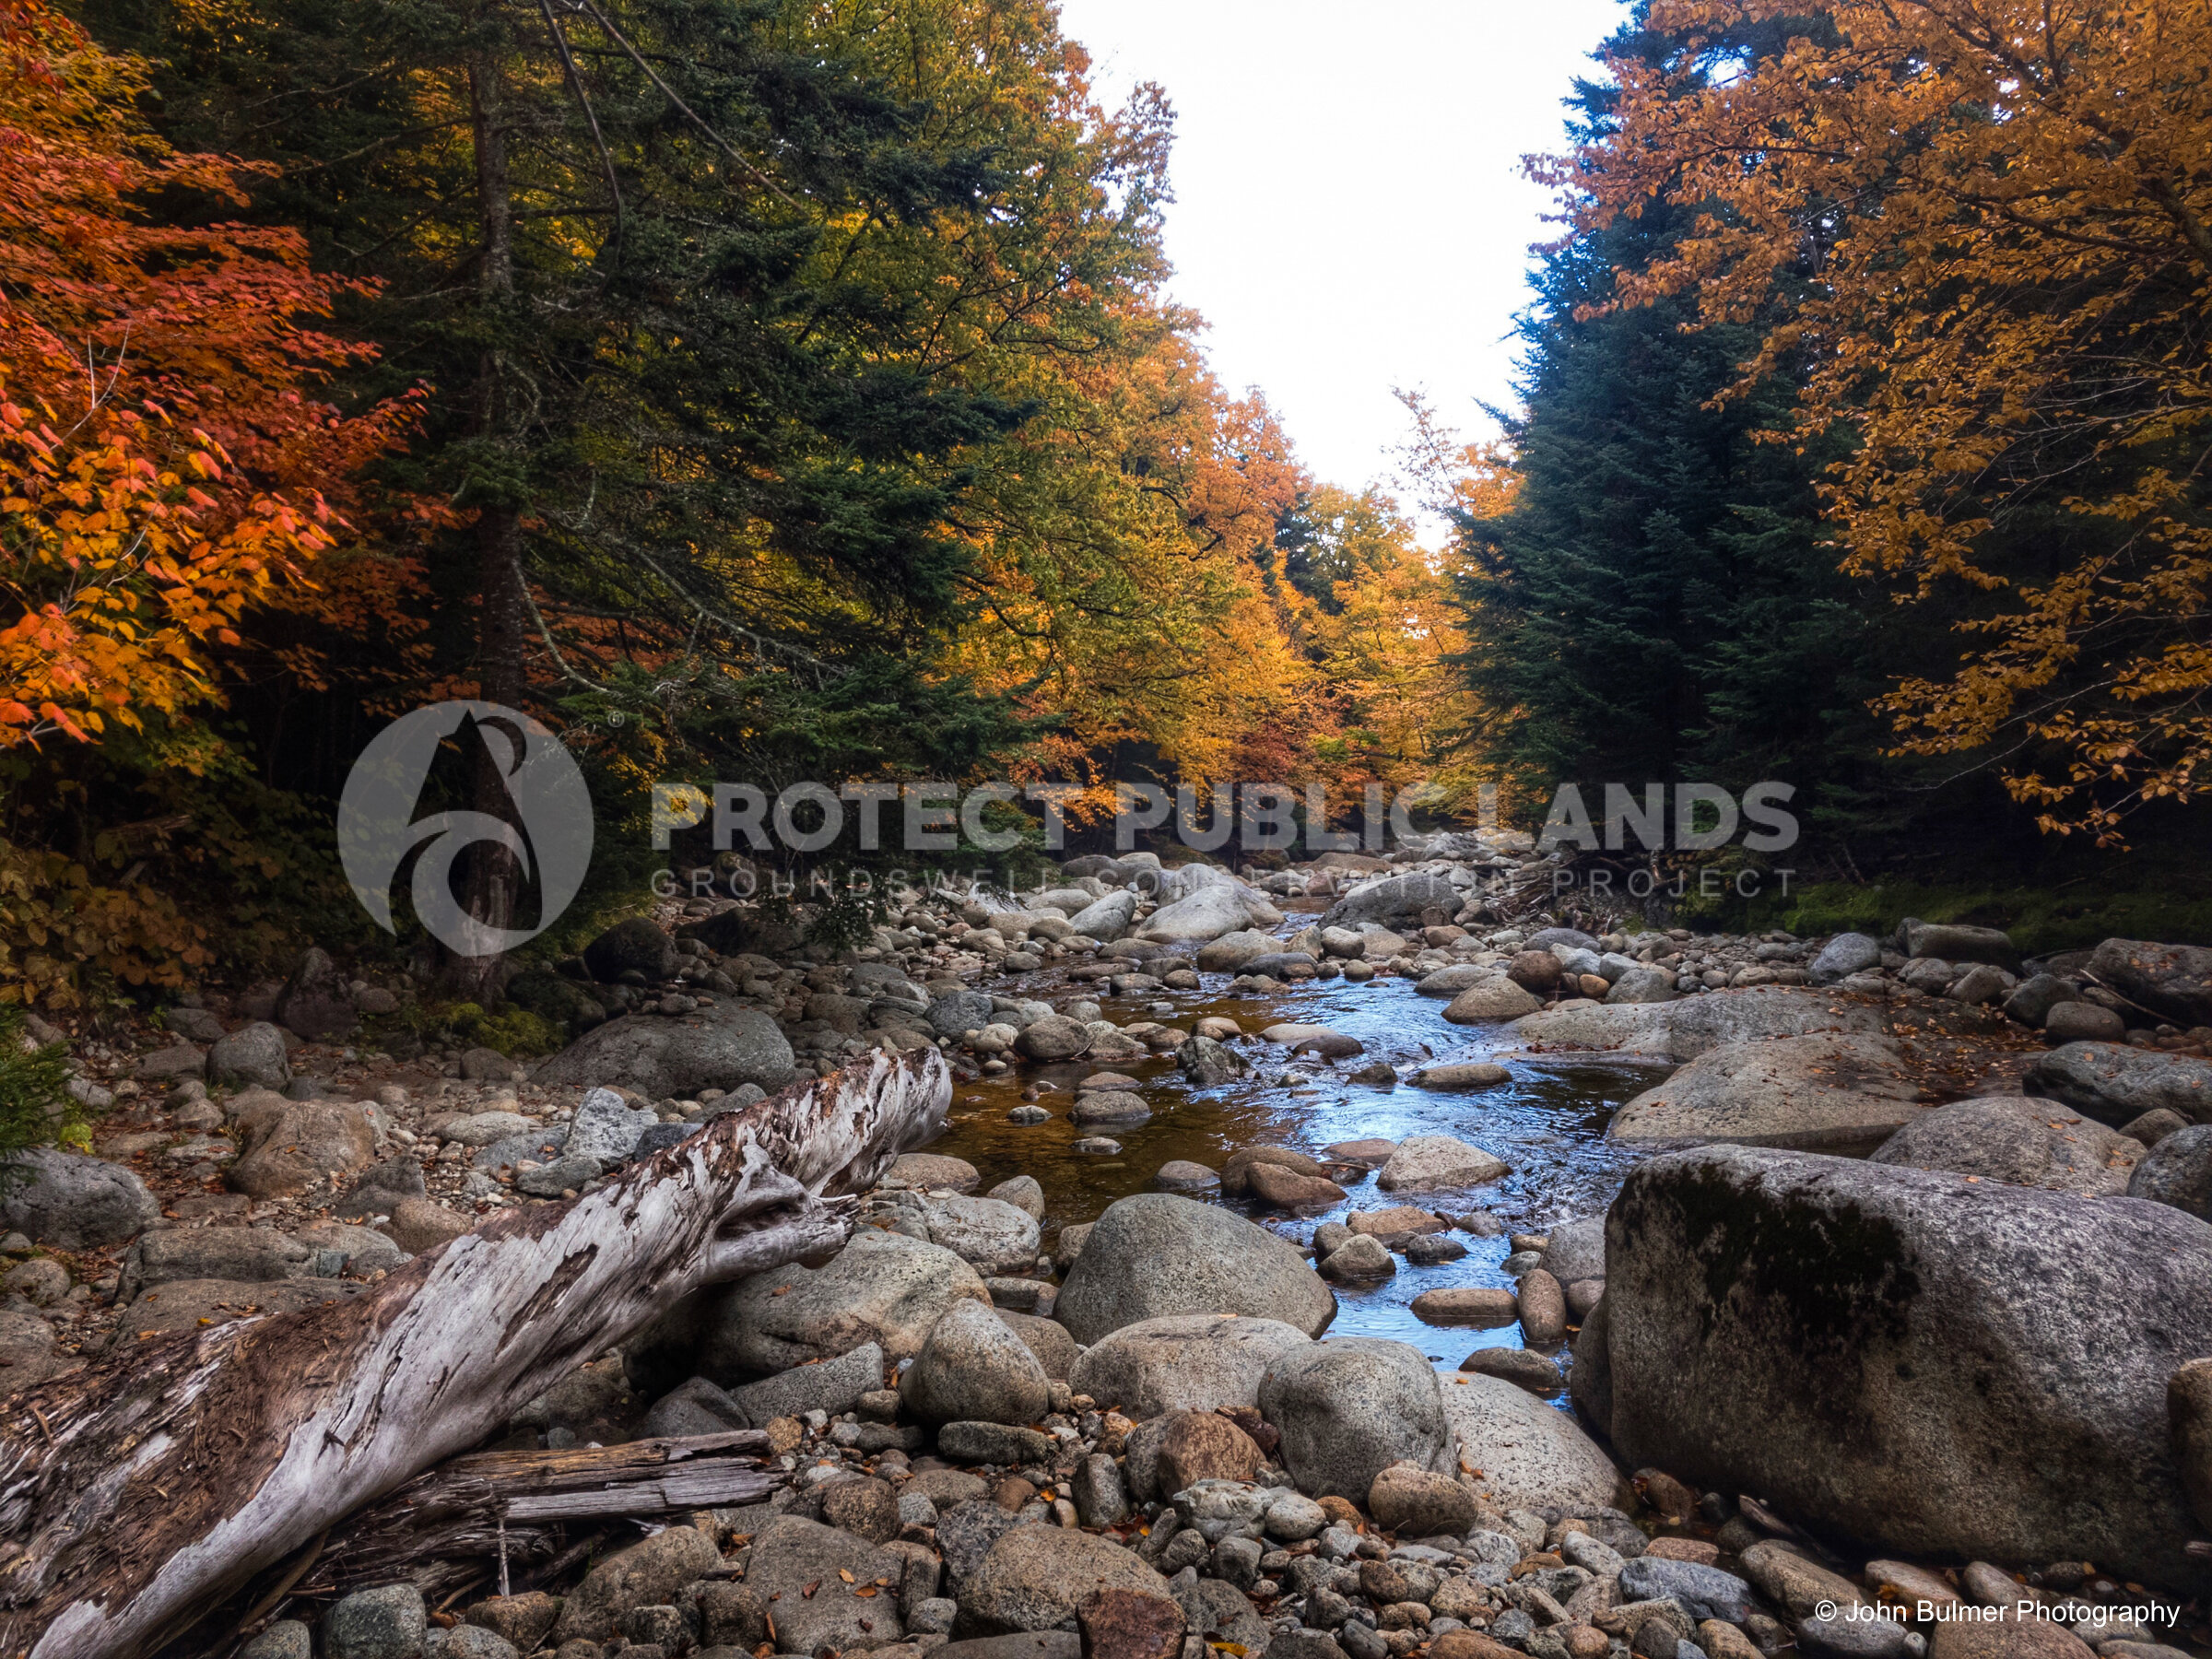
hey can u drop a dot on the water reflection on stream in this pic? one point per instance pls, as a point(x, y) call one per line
point(1547, 1123)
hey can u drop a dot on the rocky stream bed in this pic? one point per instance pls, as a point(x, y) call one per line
point(1345, 1264)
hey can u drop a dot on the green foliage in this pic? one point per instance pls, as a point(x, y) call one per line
point(514, 1031)
point(2040, 919)
point(36, 1109)
point(848, 920)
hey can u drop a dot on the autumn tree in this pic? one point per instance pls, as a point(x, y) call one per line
point(1994, 218)
point(163, 462)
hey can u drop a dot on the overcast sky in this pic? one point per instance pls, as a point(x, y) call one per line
point(1349, 211)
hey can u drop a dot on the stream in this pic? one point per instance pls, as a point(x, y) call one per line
point(1548, 1122)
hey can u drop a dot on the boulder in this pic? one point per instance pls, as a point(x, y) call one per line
point(1684, 1029)
point(2031, 1000)
point(1232, 950)
point(648, 1575)
point(2115, 1084)
point(2068, 1022)
point(989, 1232)
point(1183, 1362)
point(1106, 919)
point(1640, 985)
point(1822, 1093)
point(1452, 981)
point(388, 1622)
point(606, 1128)
point(249, 1255)
point(168, 1064)
point(1992, 1361)
point(1206, 1063)
point(1433, 1162)
point(1110, 1106)
point(1494, 998)
point(973, 1369)
point(1462, 1075)
point(1055, 1037)
point(933, 1169)
point(73, 1202)
point(825, 1588)
point(2172, 979)
point(833, 1386)
point(1157, 1253)
point(194, 1305)
point(2027, 1141)
point(290, 1145)
point(28, 1353)
point(882, 1287)
point(1577, 1250)
point(720, 1046)
point(1349, 1408)
point(254, 1056)
point(1201, 1445)
point(1530, 1455)
point(636, 945)
point(2178, 1172)
point(419, 1224)
point(952, 1013)
point(1956, 942)
point(1391, 898)
point(316, 1003)
point(1288, 1190)
point(1419, 1503)
point(1846, 953)
point(1038, 1578)
point(1047, 1338)
point(1206, 914)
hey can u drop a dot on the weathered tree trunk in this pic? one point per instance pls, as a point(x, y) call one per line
point(137, 1494)
point(491, 877)
point(466, 1518)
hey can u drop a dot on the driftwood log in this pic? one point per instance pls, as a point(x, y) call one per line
point(140, 1492)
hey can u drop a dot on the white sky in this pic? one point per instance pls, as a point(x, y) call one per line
point(1349, 211)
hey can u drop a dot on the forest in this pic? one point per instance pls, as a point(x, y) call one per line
point(761, 391)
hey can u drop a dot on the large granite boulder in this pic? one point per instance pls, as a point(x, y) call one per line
point(1827, 1093)
point(1349, 1408)
point(1206, 914)
point(73, 1202)
point(2025, 1142)
point(2178, 1171)
point(826, 1587)
point(1957, 942)
point(719, 1046)
point(290, 1145)
point(1037, 1577)
point(2115, 1084)
point(1392, 899)
point(1531, 1455)
point(1911, 1359)
point(973, 1369)
point(1157, 1253)
point(882, 1287)
point(2175, 980)
point(1684, 1029)
point(1183, 1363)
point(635, 945)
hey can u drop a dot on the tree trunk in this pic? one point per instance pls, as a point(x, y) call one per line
point(491, 879)
point(136, 1495)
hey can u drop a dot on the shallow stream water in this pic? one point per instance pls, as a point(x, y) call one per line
point(1548, 1122)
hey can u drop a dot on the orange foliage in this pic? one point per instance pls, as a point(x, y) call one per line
point(161, 469)
point(1998, 216)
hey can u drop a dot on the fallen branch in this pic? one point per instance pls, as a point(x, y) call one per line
point(440, 1529)
point(140, 1492)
